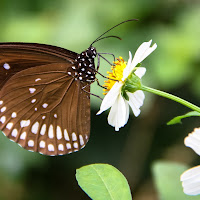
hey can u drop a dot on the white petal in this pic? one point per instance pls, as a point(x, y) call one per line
point(127, 71)
point(142, 52)
point(130, 58)
point(136, 100)
point(193, 140)
point(127, 112)
point(191, 181)
point(190, 173)
point(140, 71)
point(118, 113)
point(110, 97)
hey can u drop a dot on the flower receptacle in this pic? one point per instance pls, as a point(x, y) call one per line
point(131, 84)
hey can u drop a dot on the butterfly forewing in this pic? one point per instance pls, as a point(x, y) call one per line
point(15, 57)
point(42, 108)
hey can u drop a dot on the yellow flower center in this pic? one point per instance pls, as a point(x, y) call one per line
point(115, 75)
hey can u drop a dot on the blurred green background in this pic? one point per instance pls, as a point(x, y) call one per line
point(173, 67)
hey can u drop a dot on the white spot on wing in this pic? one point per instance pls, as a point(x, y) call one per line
point(6, 66)
point(68, 145)
point(42, 144)
point(23, 136)
point(1, 102)
point(37, 79)
point(30, 143)
point(9, 125)
point(32, 90)
point(43, 117)
point(75, 145)
point(55, 115)
point(33, 100)
point(81, 140)
point(14, 114)
point(66, 135)
point(43, 129)
point(3, 109)
point(60, 147)
point(50, 132)
point(50, 147)
point(58, 132)
point(19, 145)
point(14, 132)
point(3, 119)
point(35, 127)
point(35, 109)
point(82, 146)
point(74, 138)
point(45, 105)
point(24, 123)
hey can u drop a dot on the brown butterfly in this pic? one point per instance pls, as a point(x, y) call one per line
point(45, 96)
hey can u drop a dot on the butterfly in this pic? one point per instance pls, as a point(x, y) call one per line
point(45, 96)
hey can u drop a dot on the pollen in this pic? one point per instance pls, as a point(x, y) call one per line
point(115, 75)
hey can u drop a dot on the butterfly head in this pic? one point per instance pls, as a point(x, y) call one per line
point(91, 52)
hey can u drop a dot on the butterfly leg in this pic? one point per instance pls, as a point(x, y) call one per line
point(99, 55)
point(109, 54)
point(107, 77)
point(99, 84)
point(83, 88)
point(96, 70)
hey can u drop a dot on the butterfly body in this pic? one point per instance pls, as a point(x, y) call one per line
point(84, 67)
point(44, 96)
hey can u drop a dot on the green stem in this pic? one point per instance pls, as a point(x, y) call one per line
point(172, 97)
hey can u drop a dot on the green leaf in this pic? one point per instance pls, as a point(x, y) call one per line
point(178, 119)
point(167, 181)
point(103, 181)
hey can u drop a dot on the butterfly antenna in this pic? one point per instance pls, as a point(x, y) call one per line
point(113, 36)
point(100, 37)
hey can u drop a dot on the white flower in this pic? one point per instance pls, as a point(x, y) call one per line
point(191, 178)
point(119, 112)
